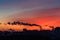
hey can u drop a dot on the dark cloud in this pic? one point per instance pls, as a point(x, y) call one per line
point(22, 23)
point(26, 24)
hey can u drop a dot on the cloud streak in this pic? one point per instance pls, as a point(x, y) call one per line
point(22, 23)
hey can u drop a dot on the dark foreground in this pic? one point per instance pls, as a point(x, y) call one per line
point(31, 35)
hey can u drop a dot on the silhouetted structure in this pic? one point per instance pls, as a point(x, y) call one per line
point(42, 35)
point(57, 29)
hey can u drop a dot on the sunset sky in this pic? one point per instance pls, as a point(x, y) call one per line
point(41, 12)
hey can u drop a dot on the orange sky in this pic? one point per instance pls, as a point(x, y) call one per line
point(50, 21)
point(40, 12)
point(50, 17)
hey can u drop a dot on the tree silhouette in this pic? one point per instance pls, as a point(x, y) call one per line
point(11, 30)
point(52, 27)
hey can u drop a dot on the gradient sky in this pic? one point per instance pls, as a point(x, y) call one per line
point(8, 7)
point(46, 12)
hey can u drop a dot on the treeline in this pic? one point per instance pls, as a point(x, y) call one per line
point(44, 34)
